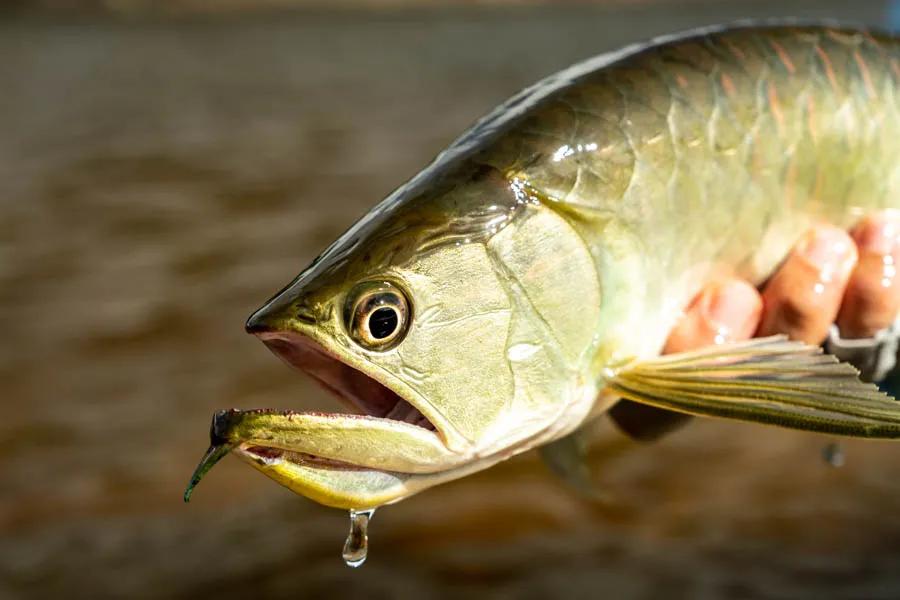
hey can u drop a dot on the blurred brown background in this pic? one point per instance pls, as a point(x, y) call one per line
point(165, 168)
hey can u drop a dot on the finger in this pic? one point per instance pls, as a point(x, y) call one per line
point(803, 297)
point(872, 298)
point(725, 311)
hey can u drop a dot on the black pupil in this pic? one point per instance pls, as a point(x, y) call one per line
point(382, 323)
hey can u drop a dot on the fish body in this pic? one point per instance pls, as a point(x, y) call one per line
point(709, 154)
point(505, 295)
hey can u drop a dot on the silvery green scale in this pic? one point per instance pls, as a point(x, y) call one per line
point(526, 279)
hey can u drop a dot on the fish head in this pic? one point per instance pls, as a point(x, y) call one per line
point(441, 319)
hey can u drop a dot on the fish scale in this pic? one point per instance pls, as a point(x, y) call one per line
point(760, 131)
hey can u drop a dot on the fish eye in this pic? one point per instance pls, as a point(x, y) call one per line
point(377, 315)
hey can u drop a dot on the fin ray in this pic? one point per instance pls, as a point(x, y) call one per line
point(765, 380)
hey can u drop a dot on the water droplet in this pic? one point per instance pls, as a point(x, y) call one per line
point(357, 545)
point(833, 454)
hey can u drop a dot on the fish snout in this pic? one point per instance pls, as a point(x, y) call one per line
point(259, 322)
point(287, 311)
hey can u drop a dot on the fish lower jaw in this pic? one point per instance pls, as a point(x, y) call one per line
point(340, 484)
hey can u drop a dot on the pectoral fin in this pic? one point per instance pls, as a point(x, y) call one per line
point(581, 458)
point(567, 457)
point(766, 380)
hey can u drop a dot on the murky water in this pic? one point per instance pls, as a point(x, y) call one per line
point(159, 180)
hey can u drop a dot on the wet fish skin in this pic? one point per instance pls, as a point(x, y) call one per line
point(713, 155)
point(557, 241)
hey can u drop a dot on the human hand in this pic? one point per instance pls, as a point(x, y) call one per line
point(829, 277)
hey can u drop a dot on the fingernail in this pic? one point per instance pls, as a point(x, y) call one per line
point(828, 249)
point(730, 306)
point(878, 236)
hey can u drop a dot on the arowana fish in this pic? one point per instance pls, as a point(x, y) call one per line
point(526, 280)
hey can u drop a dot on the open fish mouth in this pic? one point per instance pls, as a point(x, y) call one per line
point(383, 450)
point(381, 430)
point(359, 392)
